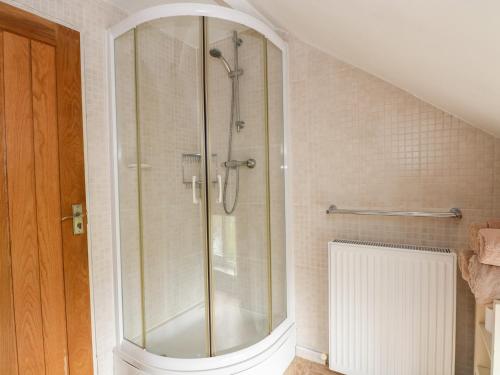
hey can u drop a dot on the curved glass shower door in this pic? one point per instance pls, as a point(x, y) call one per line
point(200, 166)
point(171, 127)
point(162, 177)
point(238, 206)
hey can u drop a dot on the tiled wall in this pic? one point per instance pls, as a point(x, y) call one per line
point(92, 18)
point(359, 142)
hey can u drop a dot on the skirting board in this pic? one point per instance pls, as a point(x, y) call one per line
point(311, 355)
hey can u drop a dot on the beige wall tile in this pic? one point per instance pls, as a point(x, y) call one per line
point(359, 142)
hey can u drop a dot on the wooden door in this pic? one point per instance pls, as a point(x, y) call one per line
point(45, 325)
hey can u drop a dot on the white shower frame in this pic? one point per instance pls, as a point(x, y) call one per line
point(273, 353)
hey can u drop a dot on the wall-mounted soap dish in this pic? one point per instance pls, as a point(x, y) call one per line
point(191, 167)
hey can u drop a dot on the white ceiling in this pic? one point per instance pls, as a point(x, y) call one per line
point(446, 52)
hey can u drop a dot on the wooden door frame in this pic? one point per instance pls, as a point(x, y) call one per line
point(72, 180)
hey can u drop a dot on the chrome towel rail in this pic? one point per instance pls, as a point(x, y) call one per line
point(453, 213)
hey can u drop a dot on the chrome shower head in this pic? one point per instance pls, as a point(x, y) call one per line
point(214, 52)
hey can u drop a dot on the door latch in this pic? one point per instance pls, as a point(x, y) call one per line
point(77, 217)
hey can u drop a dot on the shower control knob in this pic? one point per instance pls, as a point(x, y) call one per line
point(250, 163)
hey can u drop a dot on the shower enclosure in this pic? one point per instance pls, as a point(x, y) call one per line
point(199, 155)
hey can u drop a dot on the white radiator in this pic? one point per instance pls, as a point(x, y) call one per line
point(392, 309)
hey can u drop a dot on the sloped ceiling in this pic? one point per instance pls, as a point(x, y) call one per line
point(446, 52)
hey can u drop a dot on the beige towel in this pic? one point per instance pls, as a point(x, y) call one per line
point(494, 223)
point(489, 246)
point(463, 262)
point(484, 281)
point(474, 234)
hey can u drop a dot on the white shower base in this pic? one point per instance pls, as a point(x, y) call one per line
point(270, 356)
point(179, 345)
point(184, 336)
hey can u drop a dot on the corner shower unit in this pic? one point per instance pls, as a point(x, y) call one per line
point(199, 142)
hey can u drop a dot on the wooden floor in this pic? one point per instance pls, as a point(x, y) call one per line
point(300, 366)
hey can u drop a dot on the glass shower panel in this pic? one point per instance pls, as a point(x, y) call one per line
point(130, 249)
point(238, 215)
point(172, 183)
point(277, 182)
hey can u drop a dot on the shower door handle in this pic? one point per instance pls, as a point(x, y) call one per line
point(219, 182)
point(193, 183)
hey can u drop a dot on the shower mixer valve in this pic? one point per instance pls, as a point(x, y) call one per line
point(250, 163)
